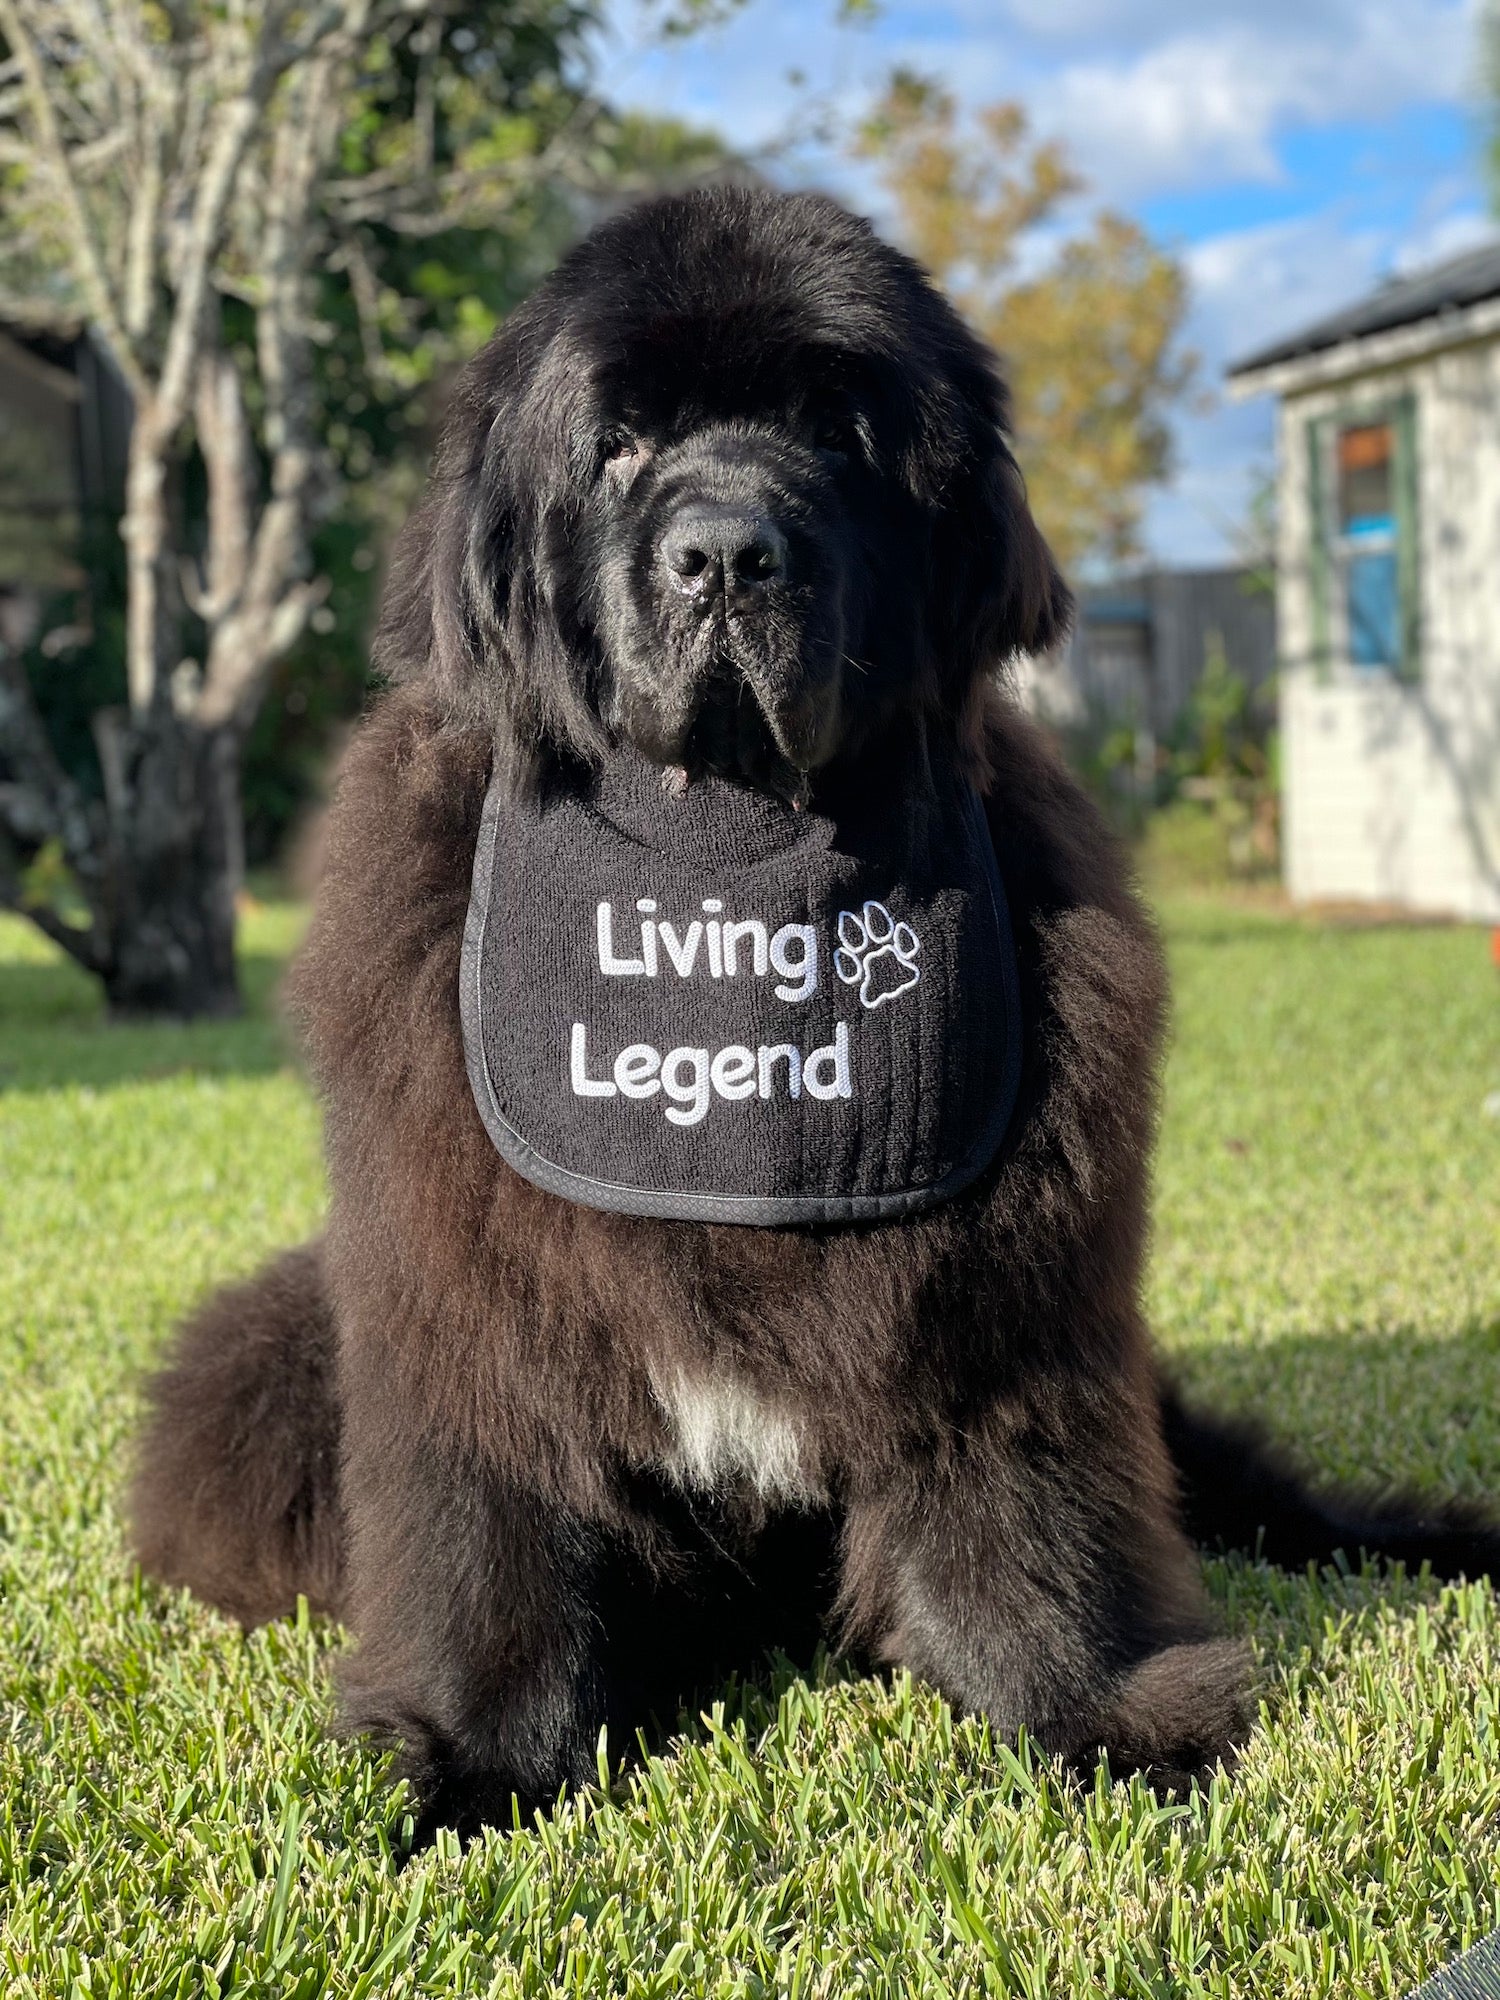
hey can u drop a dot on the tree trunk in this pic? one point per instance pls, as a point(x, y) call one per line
point(177, 865)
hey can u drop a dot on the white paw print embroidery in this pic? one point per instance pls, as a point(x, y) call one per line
point(877, 954)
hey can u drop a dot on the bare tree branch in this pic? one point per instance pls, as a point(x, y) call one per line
point(245, 648)
point(308, 57)
point(86, 948)
point(364, 289)
point(234, 124)
point(156, 119)
point(228, 457)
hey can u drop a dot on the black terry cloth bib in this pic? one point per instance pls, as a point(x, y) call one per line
point(712, 1007)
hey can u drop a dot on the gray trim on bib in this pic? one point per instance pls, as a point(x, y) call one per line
point(716, 1009)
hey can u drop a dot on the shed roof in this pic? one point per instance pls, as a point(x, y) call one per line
point(1425, 294)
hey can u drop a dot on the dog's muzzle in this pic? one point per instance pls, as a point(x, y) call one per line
point(733, 662)
point(720, 557)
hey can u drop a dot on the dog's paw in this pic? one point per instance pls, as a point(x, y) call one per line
point(1180, 1713)
point(877, 954)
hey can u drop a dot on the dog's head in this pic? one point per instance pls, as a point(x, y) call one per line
point(731, 487)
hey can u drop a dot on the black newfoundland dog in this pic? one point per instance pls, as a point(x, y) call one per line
point(730, 494)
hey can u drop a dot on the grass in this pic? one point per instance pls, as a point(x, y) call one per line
point(173, 1820)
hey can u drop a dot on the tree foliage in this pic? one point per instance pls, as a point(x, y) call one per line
point(1086, 319)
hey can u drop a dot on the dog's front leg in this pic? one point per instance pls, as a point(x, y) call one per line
point(1036, 1574)
point(473, 1601)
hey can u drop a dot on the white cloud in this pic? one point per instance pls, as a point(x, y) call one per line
point(1447, 234)
point(738, 78)
point(1203, 105)
point(1149, 96)
point(1252, 286)
point(1209, 104)
point(1248, 287)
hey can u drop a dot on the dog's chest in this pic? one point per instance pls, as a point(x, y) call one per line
point(722, 1432)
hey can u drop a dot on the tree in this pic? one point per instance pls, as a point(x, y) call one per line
point(237, 199)
point(1089, 341)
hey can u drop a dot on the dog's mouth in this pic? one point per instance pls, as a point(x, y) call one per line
point(732, 737)
point(738, 713)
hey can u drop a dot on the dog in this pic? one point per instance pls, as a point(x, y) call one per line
point(731, 497)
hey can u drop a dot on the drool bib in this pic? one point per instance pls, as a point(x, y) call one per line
point(715, 1008)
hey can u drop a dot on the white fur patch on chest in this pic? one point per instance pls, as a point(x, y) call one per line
point(724, 1433)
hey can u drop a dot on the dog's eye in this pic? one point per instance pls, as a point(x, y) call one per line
point(834, 431)
point(621, 457)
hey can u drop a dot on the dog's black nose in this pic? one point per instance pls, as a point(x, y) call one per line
point(709, 546)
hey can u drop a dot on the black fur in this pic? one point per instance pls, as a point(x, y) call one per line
point(993, 1502)
point(239, 1462)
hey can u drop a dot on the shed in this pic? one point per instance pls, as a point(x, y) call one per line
point(1388, 591)
point(64, 435)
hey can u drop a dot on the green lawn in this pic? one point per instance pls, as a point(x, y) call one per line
point(172, 1820)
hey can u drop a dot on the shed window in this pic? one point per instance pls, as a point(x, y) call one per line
point(1367, 543)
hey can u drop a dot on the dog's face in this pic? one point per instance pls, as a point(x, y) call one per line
point(731, 488)
point(731, 552)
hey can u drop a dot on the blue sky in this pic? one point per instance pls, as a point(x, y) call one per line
point(1293, 152)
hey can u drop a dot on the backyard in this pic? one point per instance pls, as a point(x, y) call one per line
point(174, 1821)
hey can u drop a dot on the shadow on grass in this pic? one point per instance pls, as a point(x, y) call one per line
point(54, 1032)
point(1398, 1407)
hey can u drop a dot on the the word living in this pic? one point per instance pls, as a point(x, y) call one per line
point(713, 947)
point(690, 1078)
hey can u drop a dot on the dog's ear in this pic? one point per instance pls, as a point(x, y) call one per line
point(467, 606)
point(1000, 591)
point(451, 577)
point(448, 591)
